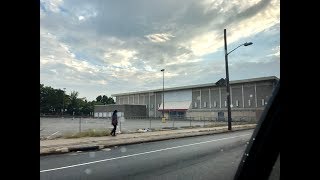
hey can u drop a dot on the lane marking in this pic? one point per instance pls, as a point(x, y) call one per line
point(131, 155)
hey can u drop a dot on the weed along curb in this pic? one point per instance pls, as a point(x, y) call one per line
point(96, 145)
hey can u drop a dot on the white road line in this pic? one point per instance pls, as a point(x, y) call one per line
point(131, 155)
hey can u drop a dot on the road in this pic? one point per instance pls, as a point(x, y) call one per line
point(203, 157)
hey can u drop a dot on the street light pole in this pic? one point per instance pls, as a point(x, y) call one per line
point(227, 79)
point(64, 89)
point(227, 74)
point(162, 93)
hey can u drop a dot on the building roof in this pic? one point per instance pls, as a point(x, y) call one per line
point(199, 86)
point(175, 105)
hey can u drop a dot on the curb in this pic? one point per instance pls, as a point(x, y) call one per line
point(137, 141)
point(83, 148)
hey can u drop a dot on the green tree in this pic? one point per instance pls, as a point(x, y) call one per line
point(74, 105)
point(99, 98)
point(110, 101)
point(104, 100)
point(51, 100)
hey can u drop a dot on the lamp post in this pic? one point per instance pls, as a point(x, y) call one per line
point(162, 93)
point(226, 53)
point(64, 89)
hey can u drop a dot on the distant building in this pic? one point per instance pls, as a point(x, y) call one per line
point(248, 98)
point(124, 110)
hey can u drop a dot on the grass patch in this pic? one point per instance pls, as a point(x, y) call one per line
point(244, 123)
point(88, 133)
point(172, 128)
point(187, 127)
point(215, 125)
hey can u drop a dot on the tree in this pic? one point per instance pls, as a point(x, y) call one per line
point(110, 101)
point(104, 100)
point(99, 98)
point(52, 100)
point(74, 104)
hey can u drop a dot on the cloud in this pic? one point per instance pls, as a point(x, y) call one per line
point(163, 37)
point(276, 52)
point(51, 5)
point(122, 45)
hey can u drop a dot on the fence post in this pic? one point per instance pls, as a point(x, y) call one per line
point(120, 123)
point(80, 124)
point(172, 122)
point(190, 121)
point(150, 123)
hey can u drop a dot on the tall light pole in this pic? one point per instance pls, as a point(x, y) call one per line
point(162, 93)
point(64, 90)
point(227, 73)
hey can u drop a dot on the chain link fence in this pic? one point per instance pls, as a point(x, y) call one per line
point(51, 127)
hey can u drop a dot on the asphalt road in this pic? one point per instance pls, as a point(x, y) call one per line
point(203, 157)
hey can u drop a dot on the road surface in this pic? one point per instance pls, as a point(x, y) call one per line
point(203, 157)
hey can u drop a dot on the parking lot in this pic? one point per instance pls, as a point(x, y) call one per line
point(60, 126)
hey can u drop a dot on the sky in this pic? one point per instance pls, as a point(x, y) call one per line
point(104, 47)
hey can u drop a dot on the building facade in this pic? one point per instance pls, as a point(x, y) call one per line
point(124, 110)
point(248, 99)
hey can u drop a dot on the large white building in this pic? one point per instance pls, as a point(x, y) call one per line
point(248, 99)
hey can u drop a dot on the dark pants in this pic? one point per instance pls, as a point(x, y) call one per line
point(113, 132)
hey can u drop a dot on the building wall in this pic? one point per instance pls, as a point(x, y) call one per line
point(223, 97)
point(264, 91)
point(158, 103)
point(207, 99)
point(195, 99)
point(124, 100)
point(213, 115)
point(131, 99)
point(141, 99)
point(215, 98)
point(178, 95)
point(200, 115)
point(135, 111)
point(127, 110)
point(105, 111)
point(135, 98)
point(237, 96)
point(248, 90)
point(152, 105)
point(147, 103)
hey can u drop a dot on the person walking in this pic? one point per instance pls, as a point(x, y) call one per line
point(114, 122)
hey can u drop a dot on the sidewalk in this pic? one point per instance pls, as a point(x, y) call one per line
point(91, 143)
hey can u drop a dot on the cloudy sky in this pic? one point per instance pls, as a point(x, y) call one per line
point(113, 46)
